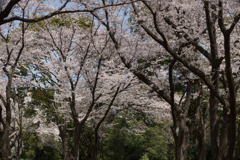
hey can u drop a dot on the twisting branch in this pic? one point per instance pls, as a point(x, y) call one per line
point(59, 11)
point(7, 10)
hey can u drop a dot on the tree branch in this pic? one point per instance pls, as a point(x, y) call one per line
point(59, 11)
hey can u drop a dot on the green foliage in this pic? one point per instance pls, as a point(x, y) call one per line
point(60, 22)
point(30, 112)
point(23, 71)
point(145, 157)
point(192, 152)
point(32, 149)
point(121, 143)
point(155, 144)
point(49, 153)
point(83, 22)
point(30, 142)
point(41, 96)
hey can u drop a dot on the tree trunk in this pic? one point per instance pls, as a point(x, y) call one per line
point(63, 136)
point(181, 141)
point(202, 143)
point(76, 141)
point(19, 147)
point(238, 135)
point(95, 153)
point(213, 109)
point(19, 137)
point(7, 123)
point(231, 98)
point(64, 148)
point(6, 142)
point(214, 127)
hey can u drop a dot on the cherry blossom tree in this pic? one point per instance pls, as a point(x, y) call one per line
point(210, 32)
point(197, 35)
point(75, 57)
point(12, 48)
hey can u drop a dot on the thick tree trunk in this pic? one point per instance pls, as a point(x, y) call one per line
point(95, 152)
point(7, 123)
point(238, 136)
point(77, 125)
point(6, 142)
point(202, 143)
point(76, 141)
point(213, 110)
point(182, 141)
point(214, 126)
point(19, 138)
point(63, 136)
point(201, 118)
point(232, 98)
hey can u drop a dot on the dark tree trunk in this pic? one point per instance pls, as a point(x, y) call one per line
point(77, 133)
point(7, 123)
point(6, 142)
point(19, 140)
point(232, 98)
point(182, 141)
point(214, 126)
point(95, 153)
point(213, 101)
point(63, 136)
point(202, 144)
point(238, 135)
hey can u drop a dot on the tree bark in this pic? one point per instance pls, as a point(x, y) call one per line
point(202, 143)
point(63, 136)
point(182, 141)
point(19, 139)
point(181, 132)
point(213, 101)
point(6, 142)
point(201, 119)
point(232, 98)
point(77, 133)
point(7, 123)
